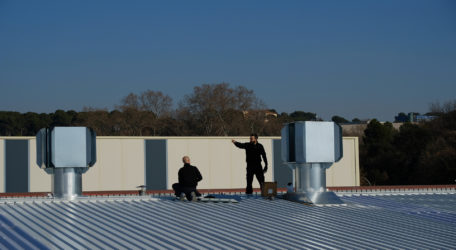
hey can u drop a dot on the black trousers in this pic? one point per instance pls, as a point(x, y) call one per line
point(257, 170)
point(179, 189)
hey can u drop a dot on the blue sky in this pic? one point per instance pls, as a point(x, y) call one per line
point(364, 59)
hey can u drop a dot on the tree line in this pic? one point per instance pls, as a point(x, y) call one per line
point(210, 110)
point(417, 153)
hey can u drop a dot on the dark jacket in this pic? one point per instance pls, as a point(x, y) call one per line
point(189, 176)
point(253, 153)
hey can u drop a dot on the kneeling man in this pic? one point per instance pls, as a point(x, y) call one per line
point(189, 176)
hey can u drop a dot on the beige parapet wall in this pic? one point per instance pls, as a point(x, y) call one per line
point(121, 163)
point(345, 173)
point(219, 161)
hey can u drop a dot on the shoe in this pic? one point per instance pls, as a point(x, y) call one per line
point(193, 196)
point(182, 197)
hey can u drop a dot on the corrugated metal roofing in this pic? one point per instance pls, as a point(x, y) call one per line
point(411, 221)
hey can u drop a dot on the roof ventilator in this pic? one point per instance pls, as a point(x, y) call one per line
point(142, 190)
point(66, 153)
point(309, 148)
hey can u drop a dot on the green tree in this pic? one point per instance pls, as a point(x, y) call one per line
point(409, 144)
point(401, 117)
point(377, 153)
point(62, 118)
point(34, 122)
point(356, 120)
point(12, 123)
point(303, 116)
point(339, 119)
point(422, 153)
point(437, 163)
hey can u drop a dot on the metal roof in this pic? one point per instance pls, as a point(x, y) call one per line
point(375, 220)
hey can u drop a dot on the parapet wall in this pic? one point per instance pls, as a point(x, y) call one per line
point(126, 162)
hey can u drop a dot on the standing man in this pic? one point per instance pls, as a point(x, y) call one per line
point(189, 176)
point(253, 152)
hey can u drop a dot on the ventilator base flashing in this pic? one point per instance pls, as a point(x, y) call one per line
point(313, 197)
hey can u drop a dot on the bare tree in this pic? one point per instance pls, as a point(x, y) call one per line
point(212, 109)
point(446, 107)
point(156, 102)
point(131, 101)
point(205, 105)
point(217, 107)
point(134, 119)
point(141, 114)
point(97, 119)
point(244, 98)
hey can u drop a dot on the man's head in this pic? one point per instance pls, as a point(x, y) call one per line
point(186, 160)
point(253, 138)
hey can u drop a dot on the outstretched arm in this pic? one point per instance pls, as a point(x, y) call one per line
point(238, 144)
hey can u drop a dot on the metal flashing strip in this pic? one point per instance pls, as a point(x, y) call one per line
point(391, 190)
point(50, 199)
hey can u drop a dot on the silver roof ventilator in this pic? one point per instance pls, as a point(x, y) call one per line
point(66, 153)
point(309, 148)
